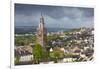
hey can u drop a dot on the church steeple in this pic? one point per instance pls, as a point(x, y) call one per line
point(41, 32)
point(41, 18)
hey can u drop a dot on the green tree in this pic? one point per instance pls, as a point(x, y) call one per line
point(45, 55)
point(56, 54)
point(24, 40)
point(17, 59)
point(40, 54)
point(37, 53)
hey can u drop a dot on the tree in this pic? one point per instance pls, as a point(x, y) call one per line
point(37, 53)
point(56, 54)
point(24, 40)
point(17, 59)
point(40, 54)
point(45, 55)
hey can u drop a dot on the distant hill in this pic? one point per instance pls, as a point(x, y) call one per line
point(25, 29)
point(32, 29)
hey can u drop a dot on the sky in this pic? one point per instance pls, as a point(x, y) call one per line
point(54, 16)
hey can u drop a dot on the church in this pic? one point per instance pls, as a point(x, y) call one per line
point(41, 33)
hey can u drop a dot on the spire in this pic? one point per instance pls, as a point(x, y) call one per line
point(41, 33)
point(42, 18)
point(41, 14)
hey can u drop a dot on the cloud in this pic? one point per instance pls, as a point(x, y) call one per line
point(55, 16)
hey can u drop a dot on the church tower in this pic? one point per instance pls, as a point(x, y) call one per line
point(41, 33)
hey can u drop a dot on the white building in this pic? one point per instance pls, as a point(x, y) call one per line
point(26, 58)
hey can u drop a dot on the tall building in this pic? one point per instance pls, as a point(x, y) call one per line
point(41, 33)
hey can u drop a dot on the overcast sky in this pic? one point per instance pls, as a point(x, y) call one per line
point(54, 16)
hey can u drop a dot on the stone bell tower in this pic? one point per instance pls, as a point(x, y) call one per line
point(41, 33)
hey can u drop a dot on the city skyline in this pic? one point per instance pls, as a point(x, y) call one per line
point(45, 35)
point(55, 16)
